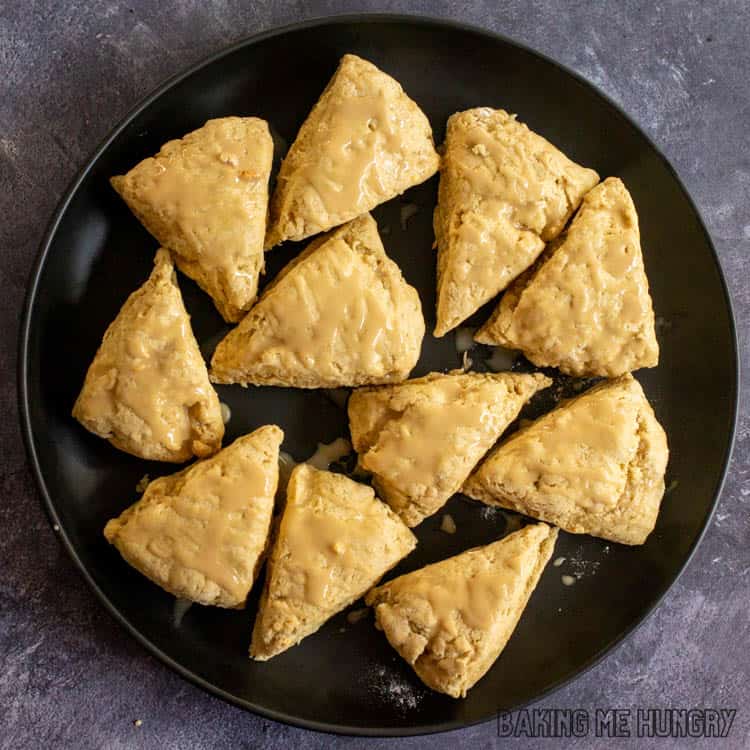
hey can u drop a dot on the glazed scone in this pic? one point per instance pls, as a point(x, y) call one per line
point(205, 197)
point(147, 390)
point(335, 541)
point(421, 439)
point(586, 308)
point(450, 620)
point(504, 192)
point(363, 143)
point(340, 314)
point(594, 465)
point(201, 534)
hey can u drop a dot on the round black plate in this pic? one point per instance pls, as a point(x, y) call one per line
point(346, 678)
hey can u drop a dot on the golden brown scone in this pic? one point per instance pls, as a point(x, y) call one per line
point(363, 143)
point(586, 308)
point(504, 192)
point(147, 390)
point(205, 197)
point(450, 620)
point(335, 541)
point(340, 314)
point(594, 465)
point(421, 439)
point(201, 534)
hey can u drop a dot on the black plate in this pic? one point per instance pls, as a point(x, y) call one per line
point(96, 253)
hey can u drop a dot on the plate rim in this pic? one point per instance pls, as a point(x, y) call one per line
point(23, 371)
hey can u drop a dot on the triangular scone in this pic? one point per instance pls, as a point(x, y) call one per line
point(205, 197)
point(340, 314)
point(363, 143)
point(201, 534)
point(147, 390)
point(586, 308)
point(504, 192)
point(594, 465)
point(422, 438)
point(334, 542)
point(450, 620)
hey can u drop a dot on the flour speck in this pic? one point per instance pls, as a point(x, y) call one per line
point(394, 689)
point(579, 567)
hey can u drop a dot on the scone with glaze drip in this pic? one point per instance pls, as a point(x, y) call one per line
point(205, 197)
point(586, 308)
point(147, 389)
point(334, 542)
point(363, 143)
point(421, 439)
point(504, 192)
point(594, 465)
point(338, 315)
point(201, 534)
point(451, 620)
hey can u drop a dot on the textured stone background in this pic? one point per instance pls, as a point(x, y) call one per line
point(69, 676)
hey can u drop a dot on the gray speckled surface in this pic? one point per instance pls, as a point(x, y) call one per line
point(69, 676)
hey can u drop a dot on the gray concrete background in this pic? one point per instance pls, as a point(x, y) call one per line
point(69, 676)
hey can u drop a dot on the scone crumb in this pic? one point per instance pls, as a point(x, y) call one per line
point(143, 482)
point(568, 580)
point(558, 561)
point(356, 615)
point(448, 525)
point(226, 412)
point(138, 723)
point(56, 527)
